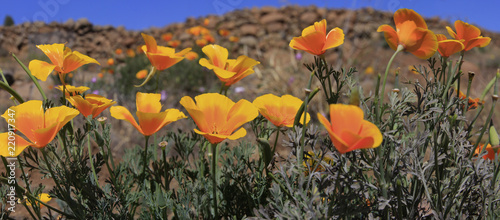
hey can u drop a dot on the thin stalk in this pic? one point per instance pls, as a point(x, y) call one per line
point(11, 91)
point(300, 152)
point(144, 158)
point(381, 97)
point(31, 77)
point(91, 163)
point(276, 140)
point(214, 179)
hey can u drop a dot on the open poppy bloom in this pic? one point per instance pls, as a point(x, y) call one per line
point(491, 151)
point(473, 103)
point(411, 33)
point(38, 126)
point(148, 112)
point(448, 47)
point(161, 57)
point(217, 117)
point(224, 32)
point(73, 90)
point(280, 111)
point(63, 61)
point(91, 105)
point(348, 130)
point(470, 34)
point(316, 41)
point(167, 37)
point(141, 74)
point(191, 55)
point(174, 43)
point(196, 31)
point(44, 197)
point(229, 71)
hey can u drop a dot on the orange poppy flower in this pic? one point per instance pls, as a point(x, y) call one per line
point(161, 57)
point(411, 33)
point(44, 197)
point(470, 34)
point(316, 41)
point(473, 103)
point(448, 47)
point(228, 71)
point(130, 53)
point(63, 61)
point(72, 90)
point(491, 151)
point(111, 62)
point(280, 111)
point(196, 31)
point(234, 39)
point(91, 105)
point(201, 42)
point(174, 43)
point(217, 117)
point(224, 32)
point(206, 22)
point(209, 38)
point(39, 126)
point(100, 75)
point(148, 112)
point(348, 130)
point(118, 51)
point(141, 74)
point(167, 37)
point(191, 55)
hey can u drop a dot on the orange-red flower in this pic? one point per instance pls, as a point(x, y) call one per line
point(72, 90)
point(39, 126)
point(118, 51)
point(91, 105)
point(206, 21)
point(348, 130)
point(280, 111)
point(491, 151)
point(148, 112)
point(63, 61)
point(472, 103)
point(196, 31)
point(470, 34)
point(229, 71)
point(130, 53)
point(217, 117)
point(411, 33)
point(111, 62)
point(141, 74)
point(234, 39)
point(448, 47)
point(209, 38)
point(161, 57)
point(166, 37)
point(201, 42)
point(316, 41)
point(191, 55)
point(224, 32)
point(174, 43)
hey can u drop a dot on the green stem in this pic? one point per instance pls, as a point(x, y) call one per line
point(11, 91)
point(276, 140)
point(300, 152)
point(144, 159)
point(31, 76)
point(214, 179)
point(381, 97)
point(91, 163)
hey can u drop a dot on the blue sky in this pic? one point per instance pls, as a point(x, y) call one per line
point(135, 15)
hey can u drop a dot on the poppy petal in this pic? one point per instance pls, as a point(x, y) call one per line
point(371, 130)
point(312, 43)
point(425, 46)
point(477, 42)
point(466, 31)
point(346, 117)
point(216, 54)
point(76, 60)
point(404, 15)
point(196, 114)
point(12, 150)
point(240, 113)
point(148, 102)
point(151, 45)
point(55, 52)
point(391, 36)
point(81, 104)
point(334, 38)
point(41, 69)
point(29, 116)
point(449, 47)
point(215, 108)
point(121, 113)
point(452, 33)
